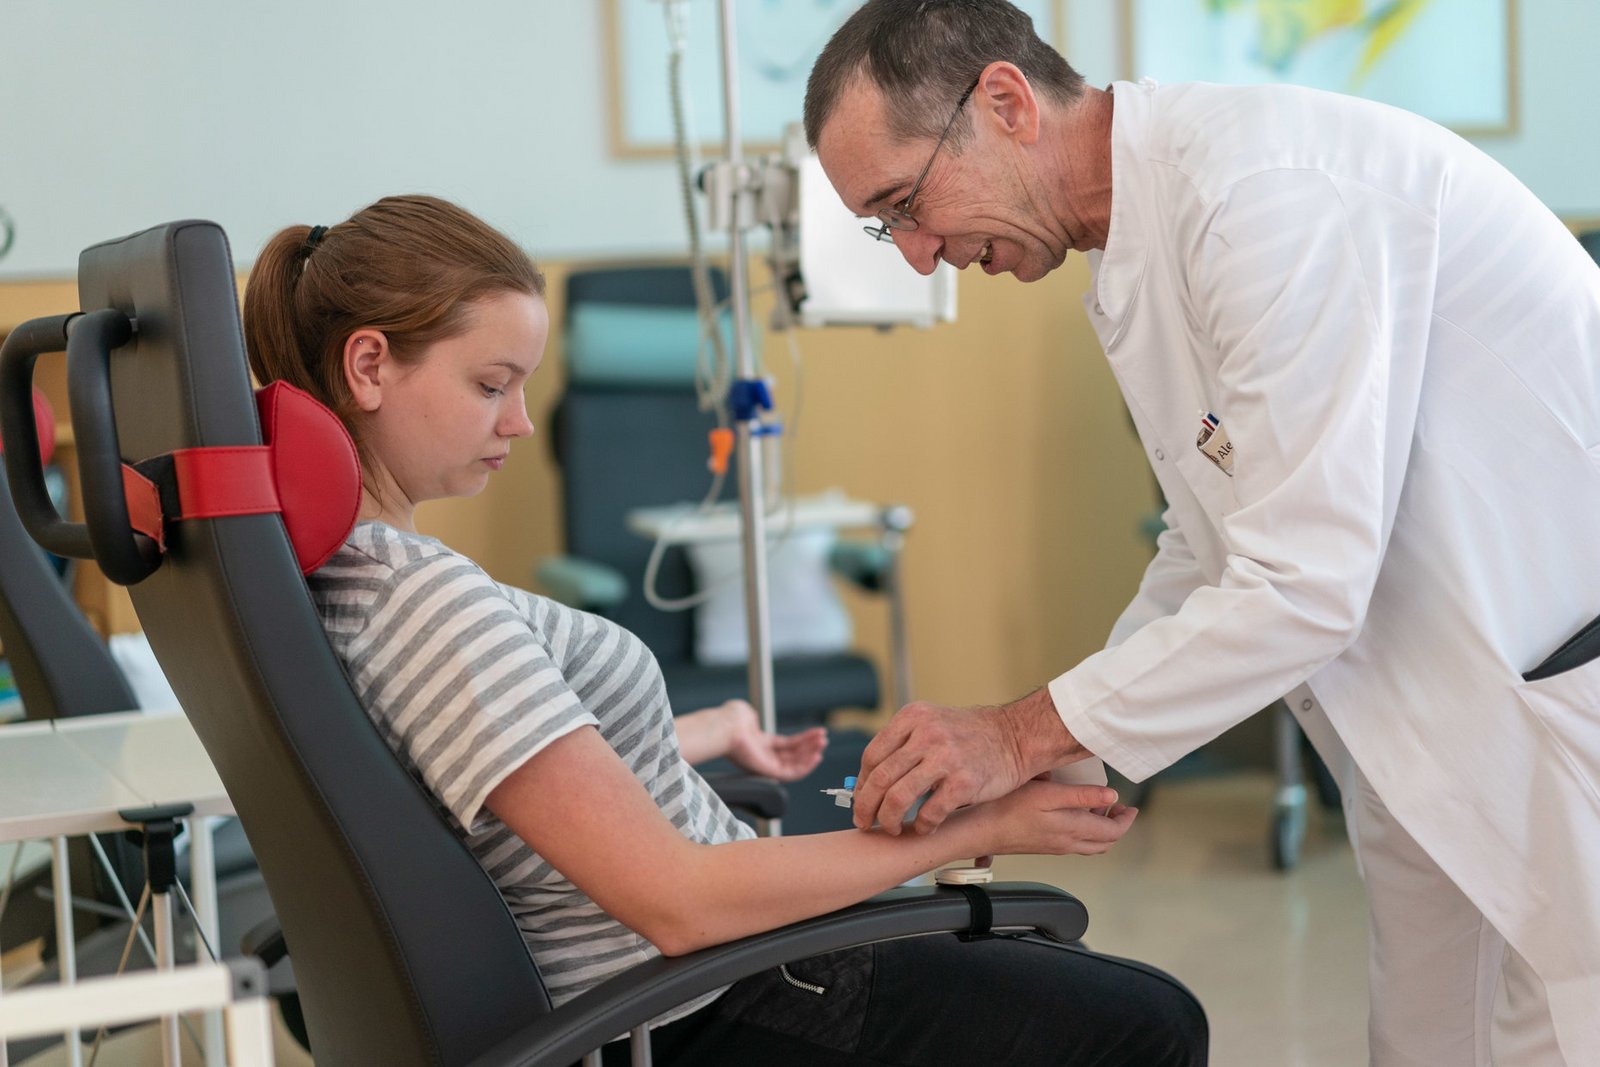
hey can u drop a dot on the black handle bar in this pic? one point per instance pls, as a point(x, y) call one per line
point(24, 464)
point(125, 557)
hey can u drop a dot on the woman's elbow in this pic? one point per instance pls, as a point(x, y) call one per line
point(676, 924)
point(678, 938)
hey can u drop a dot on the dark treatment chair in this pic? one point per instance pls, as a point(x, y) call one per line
point(404, 952)
point(63, 669)
point(628, 433)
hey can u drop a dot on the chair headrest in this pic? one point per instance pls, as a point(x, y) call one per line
point(307, 470)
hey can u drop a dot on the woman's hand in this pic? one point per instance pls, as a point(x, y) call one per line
point(786, 757)
point(1054, 819)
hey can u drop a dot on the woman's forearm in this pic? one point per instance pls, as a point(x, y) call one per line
point(579, 807)
point(744, 887)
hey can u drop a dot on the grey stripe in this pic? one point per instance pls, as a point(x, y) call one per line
point(401, 610)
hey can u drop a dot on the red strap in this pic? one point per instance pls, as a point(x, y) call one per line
point(144, 505)
point(213, 482)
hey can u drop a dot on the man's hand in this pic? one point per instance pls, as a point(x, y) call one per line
point(958, 756)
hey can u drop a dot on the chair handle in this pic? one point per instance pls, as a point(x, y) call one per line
point(24, 465)
point(126, 557)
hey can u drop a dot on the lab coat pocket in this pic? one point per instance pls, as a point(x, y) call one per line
point(1211, 486)
point(1568, 705)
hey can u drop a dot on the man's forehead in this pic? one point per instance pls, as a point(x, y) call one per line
point(856, 151)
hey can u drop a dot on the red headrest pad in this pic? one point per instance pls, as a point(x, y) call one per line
point(44, 421)
point(315, 469)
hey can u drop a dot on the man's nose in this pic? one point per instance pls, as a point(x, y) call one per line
point(920, 248)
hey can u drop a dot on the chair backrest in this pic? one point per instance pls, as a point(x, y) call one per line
point(404, 952)
point(628, 432)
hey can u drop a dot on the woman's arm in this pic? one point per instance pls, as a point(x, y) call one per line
point(578, 806)
point(732, 729)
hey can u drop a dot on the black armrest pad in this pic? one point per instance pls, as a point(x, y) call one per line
point(762, 797)
point(653, 988)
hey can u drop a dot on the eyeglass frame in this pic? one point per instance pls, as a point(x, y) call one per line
point(898, 215)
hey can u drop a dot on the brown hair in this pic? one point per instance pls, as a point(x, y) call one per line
point(921, 55)
point(410, 266)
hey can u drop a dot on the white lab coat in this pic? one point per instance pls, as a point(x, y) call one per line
point(1403, 346)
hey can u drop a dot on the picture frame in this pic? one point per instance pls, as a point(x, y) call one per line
point(1451, 61)
point(778, 42)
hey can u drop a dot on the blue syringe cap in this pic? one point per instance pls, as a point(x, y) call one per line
point(849, 781)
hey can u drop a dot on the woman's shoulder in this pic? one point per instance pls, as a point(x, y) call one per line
point(376, 559)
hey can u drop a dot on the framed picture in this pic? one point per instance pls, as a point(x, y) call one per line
point(777, 42)
point(1452, 61)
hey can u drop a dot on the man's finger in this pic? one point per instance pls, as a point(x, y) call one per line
point(872, 786)
point(1088, 797)
point(885, 744)
point(938, 806)
point(895, 788)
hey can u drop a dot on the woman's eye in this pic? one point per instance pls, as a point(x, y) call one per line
point(491, 391)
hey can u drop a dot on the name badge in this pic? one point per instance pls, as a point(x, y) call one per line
point(1213, 443)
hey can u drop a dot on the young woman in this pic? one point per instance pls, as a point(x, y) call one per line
point(545, 732)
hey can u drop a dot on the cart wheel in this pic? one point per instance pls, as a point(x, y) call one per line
point(1288, 829)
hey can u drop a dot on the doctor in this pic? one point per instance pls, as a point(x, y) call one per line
point(1364, 362)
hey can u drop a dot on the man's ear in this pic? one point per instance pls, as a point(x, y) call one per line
point(365, 357)
point(1004, 95)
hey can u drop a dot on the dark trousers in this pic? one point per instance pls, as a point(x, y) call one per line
point(938, 1000)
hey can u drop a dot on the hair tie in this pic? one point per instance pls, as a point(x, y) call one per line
point(312, 240)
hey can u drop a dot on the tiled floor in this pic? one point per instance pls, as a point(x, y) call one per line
point(1278, 960)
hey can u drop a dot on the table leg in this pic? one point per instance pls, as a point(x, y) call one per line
point(166, 960)
point(66, 940)
point(203, 881)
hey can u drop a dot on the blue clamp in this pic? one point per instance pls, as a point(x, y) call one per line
point(749, 397)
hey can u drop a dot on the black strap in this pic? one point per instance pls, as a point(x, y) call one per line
point(982, 913)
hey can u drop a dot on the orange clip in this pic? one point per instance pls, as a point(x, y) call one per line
point(721, 449)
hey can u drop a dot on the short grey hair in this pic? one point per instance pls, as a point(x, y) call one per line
point(921, 55)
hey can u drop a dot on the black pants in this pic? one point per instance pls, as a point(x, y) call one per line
point(938, 1000)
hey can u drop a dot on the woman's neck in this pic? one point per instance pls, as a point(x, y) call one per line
point(391, 509)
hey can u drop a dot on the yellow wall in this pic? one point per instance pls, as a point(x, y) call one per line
point(1004, 432)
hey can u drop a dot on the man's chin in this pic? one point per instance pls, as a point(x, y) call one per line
point(1032, 271)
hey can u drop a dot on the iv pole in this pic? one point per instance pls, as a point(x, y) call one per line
point(747, 395)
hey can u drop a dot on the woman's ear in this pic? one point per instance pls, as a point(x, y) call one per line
point(1010, 100)
point(366, 356)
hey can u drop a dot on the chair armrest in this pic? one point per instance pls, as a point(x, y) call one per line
point(265, 942)
point(646, 991)
point(862, 563)
point(581, 583)
point(763, 798)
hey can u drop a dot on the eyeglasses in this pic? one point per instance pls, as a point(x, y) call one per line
point(898, 216)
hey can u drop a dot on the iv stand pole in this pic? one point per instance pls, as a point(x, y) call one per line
point(752, 491)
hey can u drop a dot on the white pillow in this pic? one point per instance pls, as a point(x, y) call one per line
point(807, 616)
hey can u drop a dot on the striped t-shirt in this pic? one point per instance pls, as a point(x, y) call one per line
point(466, 679)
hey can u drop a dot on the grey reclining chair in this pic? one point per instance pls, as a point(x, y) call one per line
point(404, 952)
point(63, 669)
point(628, 433)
